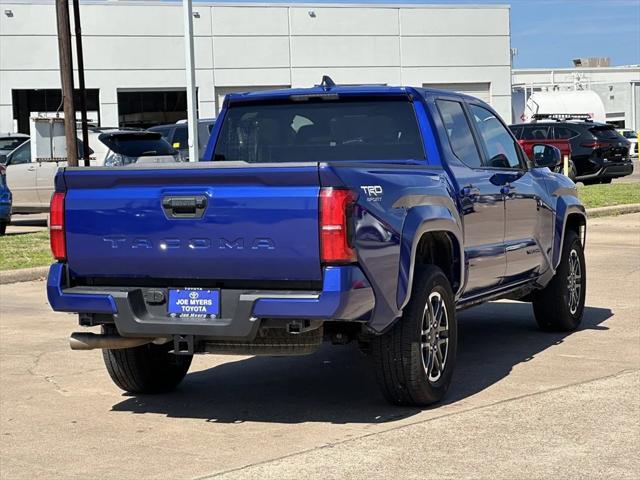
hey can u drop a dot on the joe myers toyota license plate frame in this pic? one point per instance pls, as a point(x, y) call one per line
point(194, 302)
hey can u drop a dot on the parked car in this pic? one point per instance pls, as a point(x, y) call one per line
point(32, 183)
point(9, 142)
point(5, 201)
point(528, 141)
point(368, 213)
point(598, 153)
point(177, 135)
point(632, 137)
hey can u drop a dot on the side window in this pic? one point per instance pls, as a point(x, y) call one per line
point(536, 133)
point(517, 131)
point(162, 131)
point(22, 154)
point(180, 137)
point(459, 132)
point(500, 145)
point(562, 133)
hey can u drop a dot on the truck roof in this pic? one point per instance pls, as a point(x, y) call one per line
point(355, 90)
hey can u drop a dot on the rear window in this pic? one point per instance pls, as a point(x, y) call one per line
point(323, 131)
point(564, 133)
point(605, 133)
point(137, 145)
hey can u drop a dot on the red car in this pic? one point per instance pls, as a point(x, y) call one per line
point(563, 145)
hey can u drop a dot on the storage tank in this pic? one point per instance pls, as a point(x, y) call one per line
point(575, 102)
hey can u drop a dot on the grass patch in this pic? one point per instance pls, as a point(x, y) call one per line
point(609, 194)
point(25, 250)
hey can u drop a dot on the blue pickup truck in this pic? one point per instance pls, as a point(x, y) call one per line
point(361, 213)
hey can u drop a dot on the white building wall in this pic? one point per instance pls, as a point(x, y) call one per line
point(139, 46)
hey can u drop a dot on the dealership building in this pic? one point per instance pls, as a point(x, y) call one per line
point(134, 54)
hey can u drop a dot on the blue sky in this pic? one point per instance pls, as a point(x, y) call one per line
point(550, 33)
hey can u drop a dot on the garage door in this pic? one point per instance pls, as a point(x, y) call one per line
point(222, 91)
point(478, 90)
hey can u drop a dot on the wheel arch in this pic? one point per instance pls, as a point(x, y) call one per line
point(570, 215)
point(432, 235)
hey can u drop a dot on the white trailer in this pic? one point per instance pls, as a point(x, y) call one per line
point(580, 102)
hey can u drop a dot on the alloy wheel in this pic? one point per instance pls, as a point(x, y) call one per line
point(574, 282)
point(434, 338)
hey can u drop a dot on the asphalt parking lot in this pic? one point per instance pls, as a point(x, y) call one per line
point(524, 404)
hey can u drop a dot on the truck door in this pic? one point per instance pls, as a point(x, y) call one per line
point(482, 203)
point(526, 222)
point(21, 177)
point(45, 176)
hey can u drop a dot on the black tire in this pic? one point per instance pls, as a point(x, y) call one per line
point(555, 307)
point(3, 228)
point(606, 180)
point(399, 354)
point(146, 369)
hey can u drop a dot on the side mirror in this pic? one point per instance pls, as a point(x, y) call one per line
point(3, 159)
point(546, 156)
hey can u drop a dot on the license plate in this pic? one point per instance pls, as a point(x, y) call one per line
point(194, 302)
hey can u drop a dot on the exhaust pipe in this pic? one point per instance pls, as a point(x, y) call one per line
point(90, 341)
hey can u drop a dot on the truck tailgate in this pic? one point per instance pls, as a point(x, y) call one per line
point(194, 222)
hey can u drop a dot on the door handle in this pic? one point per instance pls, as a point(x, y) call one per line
point(507, 189)
point(184, 207)
point(31, 169)
point(469, 191)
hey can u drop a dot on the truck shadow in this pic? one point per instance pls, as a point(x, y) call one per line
point(336, 384)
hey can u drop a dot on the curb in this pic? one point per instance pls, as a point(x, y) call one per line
point(38, 273)
point(613, 210)
point(23, 275)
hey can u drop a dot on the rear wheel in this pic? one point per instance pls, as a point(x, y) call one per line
point(3, 228)
point(560, 305)
point(146, 369)
point(414, 361)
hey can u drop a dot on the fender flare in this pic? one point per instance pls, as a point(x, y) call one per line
point(565, 206)
point(419, 221)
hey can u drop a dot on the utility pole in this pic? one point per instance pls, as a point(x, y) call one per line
point(66, 76)
point(83, 91)
point(192, 117)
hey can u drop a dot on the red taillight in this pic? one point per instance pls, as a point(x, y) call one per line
point(56, 226)
point(335, 207)
point(593, 145)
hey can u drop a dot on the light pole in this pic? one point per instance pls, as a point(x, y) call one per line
point(192, 117)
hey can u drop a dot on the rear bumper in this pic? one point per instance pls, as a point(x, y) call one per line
point(346, 295)
point(611, 170)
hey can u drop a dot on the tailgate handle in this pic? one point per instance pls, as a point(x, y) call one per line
point(184, 207)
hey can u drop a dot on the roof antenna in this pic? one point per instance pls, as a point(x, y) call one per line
point(327, 83)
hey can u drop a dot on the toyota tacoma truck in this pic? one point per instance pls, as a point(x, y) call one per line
point(342, 213)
